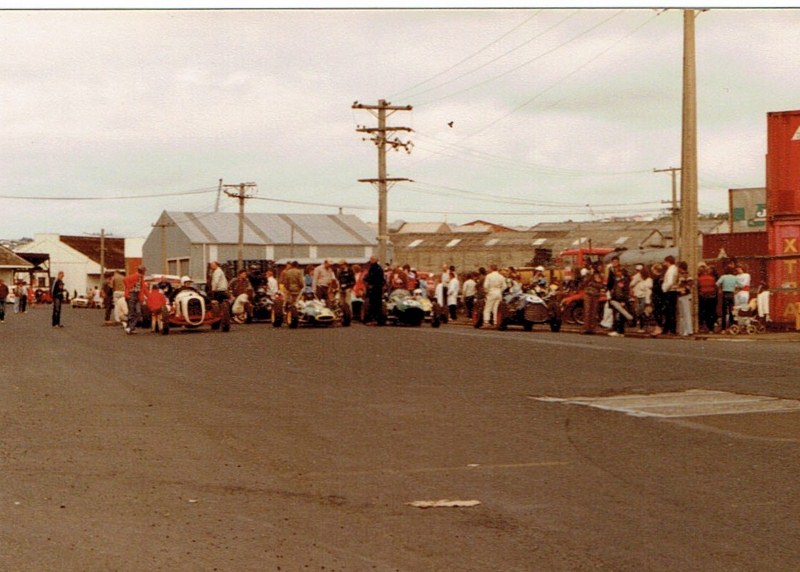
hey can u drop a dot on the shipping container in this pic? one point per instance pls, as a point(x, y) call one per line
point(783, 165)
point(784, 270)
point(736, 244)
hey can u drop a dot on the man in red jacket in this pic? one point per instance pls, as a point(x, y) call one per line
point(135, 296)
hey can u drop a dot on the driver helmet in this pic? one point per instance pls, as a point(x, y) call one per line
point(185, 280)
point(308, 294)
point(418, 292)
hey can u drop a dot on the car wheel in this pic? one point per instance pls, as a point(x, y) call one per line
point(294, 319)
point(502, 318)
point(577, 314)
point(477, 314)
point(164, 321)
point(225, 316)
point(555, 326)
point(277, 315)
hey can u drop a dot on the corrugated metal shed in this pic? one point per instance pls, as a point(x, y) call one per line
point(274, 229)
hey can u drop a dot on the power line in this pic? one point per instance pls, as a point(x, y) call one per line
point(455, 65)
point(117, 198)
point(501, 56)
point(523, 64)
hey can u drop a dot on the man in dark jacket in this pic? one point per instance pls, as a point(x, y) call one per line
point(375, 280)
point(3, 296)
point(57, 293)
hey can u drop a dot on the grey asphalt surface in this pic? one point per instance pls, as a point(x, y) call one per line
point(265, 449)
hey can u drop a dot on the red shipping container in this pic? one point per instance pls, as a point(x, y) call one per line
point(783, 165)
point(784, 270)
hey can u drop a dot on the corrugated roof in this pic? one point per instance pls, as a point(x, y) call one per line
point(268, 228)
point(8, 259)
point(89, 246)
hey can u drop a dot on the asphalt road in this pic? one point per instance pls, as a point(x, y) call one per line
point(265, 449)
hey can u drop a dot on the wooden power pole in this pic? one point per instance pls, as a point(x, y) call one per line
point(689, 211)
point(241, 196)
point(381, 140)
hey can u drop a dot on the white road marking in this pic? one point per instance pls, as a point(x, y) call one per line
point(691, 403)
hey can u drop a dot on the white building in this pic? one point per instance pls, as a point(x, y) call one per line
point(79, 258)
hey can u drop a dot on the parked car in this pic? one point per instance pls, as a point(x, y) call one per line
point(524, 308)
point(311, 311)
point(81, 302)
point(404, 308)
point(190, 310)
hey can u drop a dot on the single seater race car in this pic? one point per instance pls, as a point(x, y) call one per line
point(523, 309)
point(190, 310)
point(268, 307)
point(311, 311)
point(407, 309)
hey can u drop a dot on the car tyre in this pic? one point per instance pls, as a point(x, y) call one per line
point(164, 321)
point(277, 315)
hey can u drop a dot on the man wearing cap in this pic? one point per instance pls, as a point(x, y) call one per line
point(135, 296)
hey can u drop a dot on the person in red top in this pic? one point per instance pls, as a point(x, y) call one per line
point(706, 299)
point(135, 296)
point(156, 300)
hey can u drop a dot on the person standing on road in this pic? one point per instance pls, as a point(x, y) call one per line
point(347, 279)
point(592, 282)
point(619, 287)
point(23, 297)
point(108, 297)
point(321, 279)
point(57, 293)
point(293, 282)
point(469, 291)
point(494, 284)
point(685, 288)
point(670, 289)
point(374, 281)
point(727, 283)
point(135, 296)
point(453, 289)
point(707, 299)
point(3, 296)
point(219, 283)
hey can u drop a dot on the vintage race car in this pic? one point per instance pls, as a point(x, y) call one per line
point(310, 311)
point(524, 309)
point(268, 307)
point(407, 309)
point(190, 310)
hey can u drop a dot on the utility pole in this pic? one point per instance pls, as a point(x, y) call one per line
point(219, 193)
point(163, 226)
point(242, 187)
point(102, 255)
point(379, 137)
point(675, 210)
point(688, 242)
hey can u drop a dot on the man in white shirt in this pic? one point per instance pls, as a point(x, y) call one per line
point(321, 279)
point(670, 288)
point(219, 283)
point(493, 284)
point(469, 291)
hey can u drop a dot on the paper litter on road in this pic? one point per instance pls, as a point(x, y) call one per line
point(444, 503)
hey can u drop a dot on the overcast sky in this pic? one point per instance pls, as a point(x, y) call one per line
point(556, 113)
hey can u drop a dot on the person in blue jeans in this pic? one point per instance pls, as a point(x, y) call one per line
point(727, 284)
